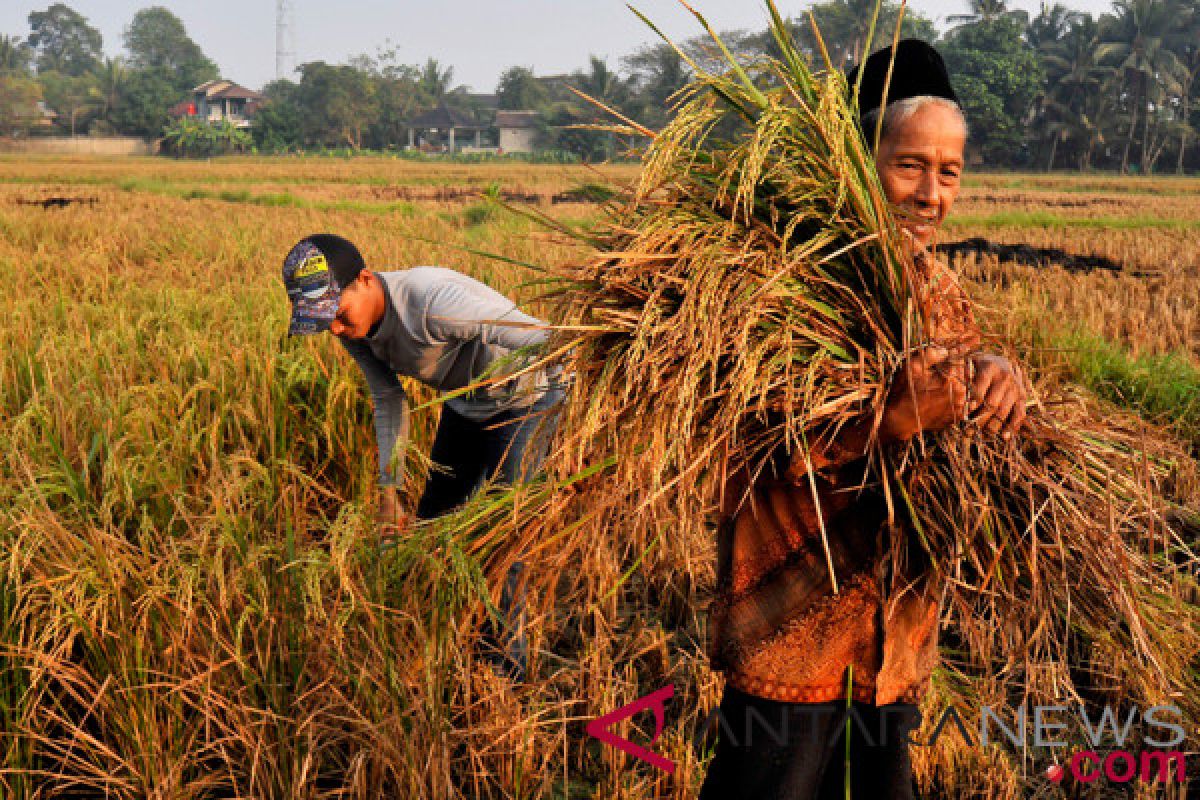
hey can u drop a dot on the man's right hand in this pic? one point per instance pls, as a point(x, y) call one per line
point(928, 394)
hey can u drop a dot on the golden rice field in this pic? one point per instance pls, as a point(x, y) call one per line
point(192, 603)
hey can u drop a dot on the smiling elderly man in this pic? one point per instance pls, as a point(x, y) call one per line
point(790, 647)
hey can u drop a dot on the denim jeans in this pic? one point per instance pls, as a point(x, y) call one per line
point(467, 453)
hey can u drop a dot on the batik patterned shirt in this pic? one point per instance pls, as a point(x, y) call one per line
point(779, 631)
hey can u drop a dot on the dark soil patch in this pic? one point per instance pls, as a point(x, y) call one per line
point(1029, 255)
point(59, 202)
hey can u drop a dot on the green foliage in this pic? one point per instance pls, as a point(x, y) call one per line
point(337, 103)
point(19, 96)
point(479, 213)
point(1137, 42)
point(397, 99)
point(277, 121)
point(1073, 100)
point(656, 73)
point(64, 41)
point(156, 40)
point(435, 81)
point(844, 25)
point(14, 55)
point(987, 11)
point(142, 106)
point(1165, 388)
point(196, 139)
point(365, 104)
point(1064, 88)
point(519, 90)
point(563, 131)
point(1049, 219)
point(76, 98)
point(997, 76)
point(110, 79)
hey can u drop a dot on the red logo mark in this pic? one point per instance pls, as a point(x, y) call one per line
point(655, 701)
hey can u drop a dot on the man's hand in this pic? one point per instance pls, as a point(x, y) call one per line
point(998, 395)
point(390, 518)
point(929, 393)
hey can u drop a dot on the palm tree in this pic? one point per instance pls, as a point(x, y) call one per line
point(1136, 43)
point(655, 73)
point(986, 11)
point(1044, 34)
point(603, 84)
point(435, 81)
point(844, 25)
point(1050, 25)
point(1077, 78)
point(1186, 44)
point(111, 76)
point(600, 82)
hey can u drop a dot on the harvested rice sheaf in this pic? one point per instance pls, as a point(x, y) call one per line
point(753, 292)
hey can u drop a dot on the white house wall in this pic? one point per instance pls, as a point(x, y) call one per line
point(517, 140)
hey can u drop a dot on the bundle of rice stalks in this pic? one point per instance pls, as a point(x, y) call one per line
point(753, 293)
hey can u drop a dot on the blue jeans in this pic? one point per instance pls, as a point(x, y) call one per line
point(466, 453)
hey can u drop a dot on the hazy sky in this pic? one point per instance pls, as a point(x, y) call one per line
point(479, 38)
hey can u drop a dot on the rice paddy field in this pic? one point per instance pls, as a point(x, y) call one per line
point(193, 603)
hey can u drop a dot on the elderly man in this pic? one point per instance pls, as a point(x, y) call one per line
point(799, 659)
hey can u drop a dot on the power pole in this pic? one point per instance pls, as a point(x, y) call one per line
point(285, 39)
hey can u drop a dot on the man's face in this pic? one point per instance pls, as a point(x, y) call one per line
point(920, 163)
point(357, 308)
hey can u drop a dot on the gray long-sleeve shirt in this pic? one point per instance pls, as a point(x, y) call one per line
point(447, 330)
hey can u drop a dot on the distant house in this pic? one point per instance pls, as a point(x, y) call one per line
point(441, 130)
point(35, 118)
point(518, 130)
point(46, 115)
point(218, 100)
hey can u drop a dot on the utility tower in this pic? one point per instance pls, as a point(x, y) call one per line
point(285, 39)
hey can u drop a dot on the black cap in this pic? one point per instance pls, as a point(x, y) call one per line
point(918, 70)
point(345, 262)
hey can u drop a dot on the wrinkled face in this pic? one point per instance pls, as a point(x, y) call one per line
point(359, 306)
point(920, 163)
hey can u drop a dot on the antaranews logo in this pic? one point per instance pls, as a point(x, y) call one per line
point(1161, 762)
point(656, 702)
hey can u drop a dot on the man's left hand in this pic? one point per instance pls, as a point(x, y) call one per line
point(998, 395)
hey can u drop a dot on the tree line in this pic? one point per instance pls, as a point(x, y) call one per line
point(61, 62)
point(1056, 89)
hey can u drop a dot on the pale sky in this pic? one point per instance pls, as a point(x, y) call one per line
point(480, 38)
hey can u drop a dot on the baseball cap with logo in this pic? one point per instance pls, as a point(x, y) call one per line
point(314, 274)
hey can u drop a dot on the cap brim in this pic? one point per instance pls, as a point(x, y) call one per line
point(310, 317)
point(304, 327)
